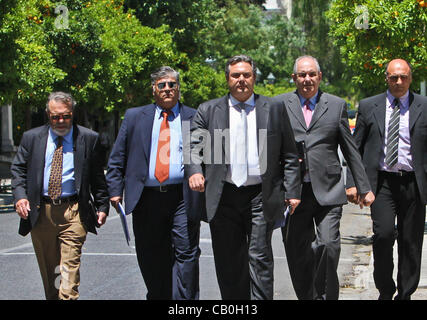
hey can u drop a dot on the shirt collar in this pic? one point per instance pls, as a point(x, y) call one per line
point(68, 138)
point(404, 100)
point(175, 110)
point(313, 100)
point(250, 102)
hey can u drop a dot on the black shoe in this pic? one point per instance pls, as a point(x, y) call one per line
point(385, 296)
point(398, 297)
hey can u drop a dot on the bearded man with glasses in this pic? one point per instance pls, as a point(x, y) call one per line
point(54, 173)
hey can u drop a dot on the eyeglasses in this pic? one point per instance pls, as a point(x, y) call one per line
point(56, 117)
point(162, 85)
point(396, 77)
point(304, 74)
point(245, 75)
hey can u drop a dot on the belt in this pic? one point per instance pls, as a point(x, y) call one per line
point(164, 188)
point(399, 173)
point(251, 186)
point(62, 200)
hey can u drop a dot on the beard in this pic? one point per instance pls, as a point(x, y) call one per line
point(61, 132)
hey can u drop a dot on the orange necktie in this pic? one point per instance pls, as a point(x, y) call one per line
point(163, 150)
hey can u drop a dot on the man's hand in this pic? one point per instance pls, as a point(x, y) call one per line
point(197, 182)
point(293, 203)
point(102, 218)
point(23, 208)
point(366, 199)
point(352, 195)
point(115, 201)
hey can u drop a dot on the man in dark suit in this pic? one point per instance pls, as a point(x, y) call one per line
point(320, 125)
point(391, 134)
point(146, 163)
point(244, 158)
point(54, 173)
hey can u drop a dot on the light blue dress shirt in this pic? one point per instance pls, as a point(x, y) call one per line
point(176, 167)
point(68, 182)
point(313, 101)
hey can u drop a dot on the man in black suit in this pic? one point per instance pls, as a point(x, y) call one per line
point(146, 163)
point(312, 238)
point(244, 158)
point(54, 173)
point(391, 134)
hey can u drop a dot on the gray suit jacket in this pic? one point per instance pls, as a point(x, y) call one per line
point(276, 148)
point(369, 137)
point(328, 129)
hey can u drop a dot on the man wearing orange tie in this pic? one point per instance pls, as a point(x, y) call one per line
point(146, 163)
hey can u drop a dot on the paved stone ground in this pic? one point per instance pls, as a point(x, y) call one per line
point(356, 263)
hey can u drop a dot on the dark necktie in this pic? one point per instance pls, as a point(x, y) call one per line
point(392, 152)
point(55, 178)
point(163, 150)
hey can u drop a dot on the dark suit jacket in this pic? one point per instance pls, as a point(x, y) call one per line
point(28, 169)
point(369, 136)
point(130, 159)
point(328, 129)
point(276, 149)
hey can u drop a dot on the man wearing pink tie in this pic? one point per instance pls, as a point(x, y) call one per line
point(312, 239)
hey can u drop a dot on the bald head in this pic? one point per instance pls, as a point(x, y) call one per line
point(398, 77)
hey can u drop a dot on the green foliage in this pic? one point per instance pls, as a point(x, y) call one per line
point(310, 16)
point(273, 42)
point(201, 83)
point(396, 29)
point(287, 41)
point(271, 90)
point(185, 19)
point(27, 70)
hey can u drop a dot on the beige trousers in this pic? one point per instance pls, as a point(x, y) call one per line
point(58, 238)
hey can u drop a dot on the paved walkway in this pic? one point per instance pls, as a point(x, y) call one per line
point(356, 263)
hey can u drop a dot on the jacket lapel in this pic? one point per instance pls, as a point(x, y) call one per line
point(145, 125)
point(185, 115)
point(414, 110)
point(379, 112)
point(41, 144)
point(261, 111)
point(79, 148)
point(319, 110)
point(222, 121)
point(296, 109)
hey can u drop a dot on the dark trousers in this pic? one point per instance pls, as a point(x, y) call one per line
point(312, 243)
point(166, 246)
point(397, 197)
point(241, 242)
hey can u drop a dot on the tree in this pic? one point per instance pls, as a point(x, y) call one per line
point(27, 67)
point(273, 42)
point(185, 19)
point(310, 16)
point(287, 42)
point(371, 33)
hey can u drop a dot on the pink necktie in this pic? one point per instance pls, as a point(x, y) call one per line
point(307, 112)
